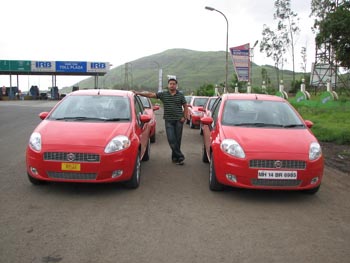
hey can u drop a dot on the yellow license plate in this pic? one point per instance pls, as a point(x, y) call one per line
point(70, 166)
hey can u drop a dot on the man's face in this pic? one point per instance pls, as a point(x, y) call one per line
point(172, 85)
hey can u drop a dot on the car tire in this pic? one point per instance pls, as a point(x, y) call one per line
point(192, 126)
point(200, 129)
point(312, 191)
point(134, 182)
point(147, 153)
point(35, 181)
point(204, 155)
point(214, 185)
point(153, 137)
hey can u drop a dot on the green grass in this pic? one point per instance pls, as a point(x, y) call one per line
point(331, 120)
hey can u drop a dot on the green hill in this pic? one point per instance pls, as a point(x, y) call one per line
point(192, 68)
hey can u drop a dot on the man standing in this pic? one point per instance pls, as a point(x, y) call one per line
point(175, 112)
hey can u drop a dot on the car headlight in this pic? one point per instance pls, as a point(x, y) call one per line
point(118, 143)
point(314, 151)
point(35, 141)
point(232, 147)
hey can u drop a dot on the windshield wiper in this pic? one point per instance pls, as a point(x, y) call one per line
point(116, 119)
point(293, 125)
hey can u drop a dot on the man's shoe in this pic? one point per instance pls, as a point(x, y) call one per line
point(180, 162)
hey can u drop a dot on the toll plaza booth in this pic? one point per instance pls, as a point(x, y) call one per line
point(52, 68)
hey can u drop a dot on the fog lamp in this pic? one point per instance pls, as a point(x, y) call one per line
point(117, 173)
point(34, 170)
point(314, 180)
point(231, 178)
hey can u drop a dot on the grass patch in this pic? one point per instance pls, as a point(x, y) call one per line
point(331, 119)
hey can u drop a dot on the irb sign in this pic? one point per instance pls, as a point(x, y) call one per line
point(43, 66)
point(98, 67)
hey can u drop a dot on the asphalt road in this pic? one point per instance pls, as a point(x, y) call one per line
point(171, 217)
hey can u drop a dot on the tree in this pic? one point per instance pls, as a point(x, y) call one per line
point(334, 29)
point(287, 25)
point(273, 44)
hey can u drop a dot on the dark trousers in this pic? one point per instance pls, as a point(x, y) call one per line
point(174, 134)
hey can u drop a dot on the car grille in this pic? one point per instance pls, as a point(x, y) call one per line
point(274, 182)
point(72, 176)
point(284, 164)
point(67, 156)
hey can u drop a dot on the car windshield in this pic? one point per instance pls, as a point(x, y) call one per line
point(87, 107)
point(260, 113)
point(200, 101)
point(188, 99)
point(145, 102)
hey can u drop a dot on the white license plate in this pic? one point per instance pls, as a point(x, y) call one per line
point(286, 175)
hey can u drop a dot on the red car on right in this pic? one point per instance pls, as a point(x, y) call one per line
point(260, 141)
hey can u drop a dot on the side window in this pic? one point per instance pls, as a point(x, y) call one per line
point(215, 111)
point(138, 109)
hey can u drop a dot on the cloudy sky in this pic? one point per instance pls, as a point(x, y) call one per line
point(121, 31)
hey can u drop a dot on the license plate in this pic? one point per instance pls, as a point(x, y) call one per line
point(284, 175)
point(70, 166)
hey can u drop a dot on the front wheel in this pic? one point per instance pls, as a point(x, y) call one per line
point(192, 126)
point(134, 182)
point(214, 185)
point(204, 155)
point(147, 153)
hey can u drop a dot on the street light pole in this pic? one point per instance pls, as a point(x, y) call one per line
point(160, 76)
point(251, 62)
point(226, 68)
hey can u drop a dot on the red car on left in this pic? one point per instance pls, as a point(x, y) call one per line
point(91, 136)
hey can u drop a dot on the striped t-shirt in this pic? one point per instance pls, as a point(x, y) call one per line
point(172, 105)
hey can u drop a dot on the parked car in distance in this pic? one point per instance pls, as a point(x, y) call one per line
point(150, 109)
point(206, 109)
point(188, 99)
point(90, 136)
point(260, 142)
point(194, 114)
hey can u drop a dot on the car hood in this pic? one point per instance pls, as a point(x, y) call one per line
point(96, 134)
point(270, 139)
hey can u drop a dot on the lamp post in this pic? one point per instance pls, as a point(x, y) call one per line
point(226, 69)
point(160, 76)
point(251, 62)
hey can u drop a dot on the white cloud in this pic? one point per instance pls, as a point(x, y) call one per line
point(122, 31)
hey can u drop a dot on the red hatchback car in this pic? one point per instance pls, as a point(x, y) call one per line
point(260, 142)
point(150, 109)
point(92, 136)
point(194, 115)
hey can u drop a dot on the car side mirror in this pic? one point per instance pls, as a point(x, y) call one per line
point(155, 107)
point(309, 124)
point(145, 118)
point(207, 120)
point(43, 115)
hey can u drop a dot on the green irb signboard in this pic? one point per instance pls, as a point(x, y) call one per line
point(15, 65)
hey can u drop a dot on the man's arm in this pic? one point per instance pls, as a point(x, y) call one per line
point(145, 94)
point(185, 110)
